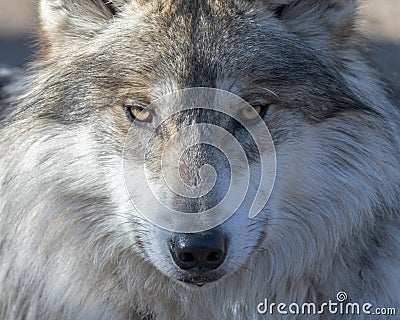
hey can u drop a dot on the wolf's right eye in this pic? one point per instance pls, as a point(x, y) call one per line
point(137, 113)
point(252, 113)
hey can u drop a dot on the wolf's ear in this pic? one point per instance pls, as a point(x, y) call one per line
point(69, 20)
point(314, 20)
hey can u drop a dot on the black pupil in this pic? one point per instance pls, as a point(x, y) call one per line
point(132, 111)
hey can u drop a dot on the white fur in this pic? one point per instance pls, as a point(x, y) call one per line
point(70, 238)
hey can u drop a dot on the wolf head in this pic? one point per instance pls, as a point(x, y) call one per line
point(104, 68)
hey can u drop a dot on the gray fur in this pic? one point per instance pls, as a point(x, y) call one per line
point(72, 245)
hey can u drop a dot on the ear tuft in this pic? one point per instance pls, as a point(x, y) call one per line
point(67, 20)
point(317, 19)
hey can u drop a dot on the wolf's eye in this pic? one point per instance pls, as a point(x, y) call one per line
point(252, 113)
point(136, 113)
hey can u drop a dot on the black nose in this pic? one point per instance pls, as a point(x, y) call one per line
point(199, 252)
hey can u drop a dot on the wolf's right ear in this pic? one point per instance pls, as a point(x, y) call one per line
point(318, 21)
point(65, 21)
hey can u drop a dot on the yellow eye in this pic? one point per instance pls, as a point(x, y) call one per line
point(252, 113)
point(141, 114)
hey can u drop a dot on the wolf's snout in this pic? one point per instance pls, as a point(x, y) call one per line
point(200, 252)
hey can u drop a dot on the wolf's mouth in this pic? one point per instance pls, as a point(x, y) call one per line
point(200, 280)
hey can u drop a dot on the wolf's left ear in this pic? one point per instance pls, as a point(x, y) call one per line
point(63, 21)
point(314, 20)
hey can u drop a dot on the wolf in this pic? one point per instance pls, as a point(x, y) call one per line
point(74, 246)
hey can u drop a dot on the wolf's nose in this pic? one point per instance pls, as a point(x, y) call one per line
point(200, 252)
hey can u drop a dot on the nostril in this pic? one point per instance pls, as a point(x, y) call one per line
point(198, 252)
point(214, 257)
point(186, 257)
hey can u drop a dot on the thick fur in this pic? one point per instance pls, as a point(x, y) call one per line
point(72, 245)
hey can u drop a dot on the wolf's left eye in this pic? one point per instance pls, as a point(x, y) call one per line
point(252, 113)
point(137, 113)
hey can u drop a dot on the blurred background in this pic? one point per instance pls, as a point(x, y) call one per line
point(380, 21)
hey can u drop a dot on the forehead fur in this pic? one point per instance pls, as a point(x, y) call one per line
point(72, 18)
point(146, 49)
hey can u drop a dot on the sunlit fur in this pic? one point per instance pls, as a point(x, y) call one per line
point(72, 245)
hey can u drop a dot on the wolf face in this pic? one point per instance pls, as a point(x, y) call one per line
point(105, 68)
point(239, 47)
point(235, 46)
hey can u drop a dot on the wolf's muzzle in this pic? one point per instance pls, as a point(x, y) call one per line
point(198, 252)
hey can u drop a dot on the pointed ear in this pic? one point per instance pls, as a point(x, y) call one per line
point(314, 20)
point(65, 21)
